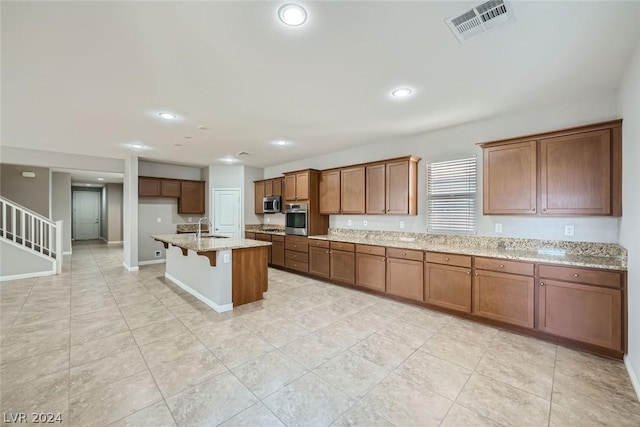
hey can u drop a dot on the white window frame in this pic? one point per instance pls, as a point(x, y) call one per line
point(452, 196)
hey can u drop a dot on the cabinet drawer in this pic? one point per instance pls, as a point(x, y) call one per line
point(319, 243)
point(341, 246)
point(502, 265)
point(405, 254)
point(371, 250)
point(582, 275)
point(248, 235)
point(263, 237)
point(296, 256)
point(293, 264)
point(276, 238)
point(448, 259)
point(295, 243)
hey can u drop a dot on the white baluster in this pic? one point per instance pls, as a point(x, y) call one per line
point(13, 223)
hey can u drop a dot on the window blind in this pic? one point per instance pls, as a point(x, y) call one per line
point(451, 196)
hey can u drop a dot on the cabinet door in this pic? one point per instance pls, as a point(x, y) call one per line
point(397, 191)
point(581, 312)
point(448, 287)
point(302, 186)
point(319, 262)
point(191, 197)
point(504, 297)
point(268, 188)
point(259, 195)
point(509, 179)
point(343, 266)
point(375, 198)
point(330, 192)
point(352, 194)
point(170, 188)
point(277, 186)
point(575, 174)
point(405, 278)
point(277, 254)
point(371, 271)
point(148, 187)
point(290, 188)
point(265, 238)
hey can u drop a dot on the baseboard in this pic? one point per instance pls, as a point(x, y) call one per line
point(26, 275)
point(632, 376)
point(114, 242)
point(103, 239)
point(153, 261)
point(67, 253)
point(131, 269)
point(216, 307)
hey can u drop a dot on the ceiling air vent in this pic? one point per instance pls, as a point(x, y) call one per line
point(471, 23)
point(244, 153)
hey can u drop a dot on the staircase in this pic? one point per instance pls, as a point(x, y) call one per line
point(31, 232)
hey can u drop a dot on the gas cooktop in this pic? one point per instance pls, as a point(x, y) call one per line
point(272, 230)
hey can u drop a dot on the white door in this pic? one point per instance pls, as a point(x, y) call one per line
point(86, 215)
point(226, 212)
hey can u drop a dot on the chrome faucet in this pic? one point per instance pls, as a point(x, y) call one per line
point(199, 233)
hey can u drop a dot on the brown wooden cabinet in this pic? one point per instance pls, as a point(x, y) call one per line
point(259, 196)
point(352, 190)
point(343, 262)
point(149, 187)
point(319, 261)
point(296, 254)
point(250, 235)
point(329, 188)
point(575, 171)
point(510, 185)
point(191, 197)
point(371, 271)
point(277, 251)
point(375, 185)
point(265, 237)
point(402, 187)
point(405, 276)
point(170, 188)
point(296, 186)
point(505, 297)
point(448, 284)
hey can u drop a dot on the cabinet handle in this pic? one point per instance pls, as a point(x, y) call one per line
point(369, 250)
point(295, 246)
point(541, 283)
point(404, 253)
point(446, 259)
point(468, 273)
point(533, 209)
point(501, 265)
point(327, 251)
point(544, 209)
point(576, 275)
point(476, 274)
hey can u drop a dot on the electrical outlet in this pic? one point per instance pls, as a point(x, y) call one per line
point(569, 230)
point(498, 228)
point(401, 224)
point(189, 219)
point(349, 223)
point(157, 254)
point(364, 223)
point(268, 220)
point(226, 258)
point(159, 219)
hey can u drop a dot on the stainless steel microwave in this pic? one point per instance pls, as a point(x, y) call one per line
point(271, 204)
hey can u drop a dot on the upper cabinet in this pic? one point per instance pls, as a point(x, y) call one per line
point(149, 187)
point(266, 188)
point(191, 197)
point(190, 194)
point(296, 186)
point(385, 187)
point(576, 171)
point(258, 196)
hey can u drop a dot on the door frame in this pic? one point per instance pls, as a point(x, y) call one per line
point(73, 211)
point(240, 211)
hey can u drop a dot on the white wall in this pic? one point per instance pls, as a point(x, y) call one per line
point(52, 159)
point(32, 193)
point(460, 141)
point(104, 225)
point(114, 212)
point(630, 224)
point(16, 261)
point(61, 205)
point(166, 170)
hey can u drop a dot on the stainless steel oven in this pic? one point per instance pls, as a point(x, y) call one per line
point(271, 204)
point(296, 219)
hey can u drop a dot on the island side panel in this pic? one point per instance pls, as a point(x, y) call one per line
point(211, 285)
point(249, 274)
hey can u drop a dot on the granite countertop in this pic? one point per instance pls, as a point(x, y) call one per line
point(205, 244)
point(277, 233)
point(275, 229)
point(591, 261)
point(191, 227)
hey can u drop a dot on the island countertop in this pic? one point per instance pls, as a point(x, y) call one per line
point(208, 244)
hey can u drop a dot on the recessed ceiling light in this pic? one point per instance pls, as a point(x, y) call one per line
point(292, 14)
point(281, 142)
point(168, 116)
point(100, 179)
point(402, 92)
point(229, 159)
point(138, 146)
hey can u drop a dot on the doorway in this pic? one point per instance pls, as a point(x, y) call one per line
point(227, 212)
point(86, 215)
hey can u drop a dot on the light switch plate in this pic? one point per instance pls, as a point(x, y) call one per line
point(498, 228)
point(159, 219)
point(225, 258)
point(569, 230)
point(349, 222)
point(401, 224)
point(189, 219)
point(268, 219)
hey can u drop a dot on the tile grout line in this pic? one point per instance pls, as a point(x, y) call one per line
point(553, 381)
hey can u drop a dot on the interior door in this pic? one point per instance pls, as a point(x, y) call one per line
point(86, 210)
point(226, 212)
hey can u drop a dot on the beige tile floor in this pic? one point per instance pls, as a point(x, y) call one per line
point(103, 346)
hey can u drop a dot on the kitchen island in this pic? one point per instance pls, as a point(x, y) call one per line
point(220, 272)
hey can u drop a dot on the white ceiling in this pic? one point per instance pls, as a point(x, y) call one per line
point(81, 177)
point(90, 77)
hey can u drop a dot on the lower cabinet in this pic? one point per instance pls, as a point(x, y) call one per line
point(504, 297)
point(343, 266)
point(264, 237)
point(296, 253)
point(448, 286)
point(371, 271)
point(277, 251)
point(585, 313)
point(319, 261)
point(405, 278)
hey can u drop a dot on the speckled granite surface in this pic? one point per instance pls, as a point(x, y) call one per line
point(188, 241)
point(265, 228)
point(579, 254)
point(190, 228)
